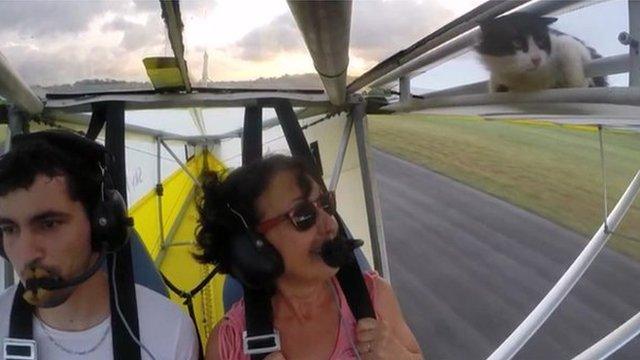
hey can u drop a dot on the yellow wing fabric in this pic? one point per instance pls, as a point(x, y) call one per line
point(172, 254)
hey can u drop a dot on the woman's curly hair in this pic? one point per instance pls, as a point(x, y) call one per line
point(240, 189)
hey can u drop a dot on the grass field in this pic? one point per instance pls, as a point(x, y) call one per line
point(551, 170)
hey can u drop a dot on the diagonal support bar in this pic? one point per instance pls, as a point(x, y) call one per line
point(370, 187)
point(342, 151)
point(182, 164)
point(550, 302)
point(16, 91)
point(612, 342)
point(168, 240)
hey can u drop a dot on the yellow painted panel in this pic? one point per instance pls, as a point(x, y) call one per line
point(177, 263)
point(185, 273)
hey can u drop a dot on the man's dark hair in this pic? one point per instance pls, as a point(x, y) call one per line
point(239, 190)
point(24, 162)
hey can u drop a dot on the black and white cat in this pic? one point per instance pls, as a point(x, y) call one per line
point(524, 54)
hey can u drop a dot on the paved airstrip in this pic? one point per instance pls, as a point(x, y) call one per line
point(468, 268)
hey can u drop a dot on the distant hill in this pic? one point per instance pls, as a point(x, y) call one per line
point(299, 81)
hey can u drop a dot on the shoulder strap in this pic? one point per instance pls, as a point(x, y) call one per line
point(350, 275)
point(20, 343)
point(258, 311)
point(21, 323)
point(260, 338)
point(355, 290)
point(352, 282)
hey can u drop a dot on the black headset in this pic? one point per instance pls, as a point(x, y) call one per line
point(257, 264)
point(254, 261)
point(109, 219)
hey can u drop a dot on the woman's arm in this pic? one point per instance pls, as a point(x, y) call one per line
point(212, 352)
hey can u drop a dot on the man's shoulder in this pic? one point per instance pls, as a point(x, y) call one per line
point(152, 305)
point(6, 297)
point(6, 301)
point(164, 326)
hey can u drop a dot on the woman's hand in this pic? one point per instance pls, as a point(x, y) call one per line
point(376, 341)
point(275, 356)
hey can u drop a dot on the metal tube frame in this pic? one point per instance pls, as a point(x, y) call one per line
point(78, 103)
point(614, 95)
point(198, 121)
point(325, 27)
point(182, 164)
point(158, 193)
point(612, 342)
point(554, 297)
point(370, 187)
point(436, 51)
point(174, 228)
point(173, 20)
point(16, 91)
point(342, 151)
point(405, 88)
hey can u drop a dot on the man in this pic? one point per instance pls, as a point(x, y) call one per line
point(51, 187)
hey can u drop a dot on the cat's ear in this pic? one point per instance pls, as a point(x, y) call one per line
point(548, 20)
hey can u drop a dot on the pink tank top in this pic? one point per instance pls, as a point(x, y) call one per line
point(232, 326)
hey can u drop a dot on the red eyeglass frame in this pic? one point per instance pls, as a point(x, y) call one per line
point(269, 224)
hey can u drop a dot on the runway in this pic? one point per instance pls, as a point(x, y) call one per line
point(468, 268)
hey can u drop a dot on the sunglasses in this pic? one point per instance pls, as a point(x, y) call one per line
point(303, 216)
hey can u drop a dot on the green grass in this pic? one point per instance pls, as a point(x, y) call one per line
point(551, 170)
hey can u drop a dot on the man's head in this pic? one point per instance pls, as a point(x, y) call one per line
point(49, 185)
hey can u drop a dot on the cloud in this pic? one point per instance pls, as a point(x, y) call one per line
point(381, 28)
point(280, 35)
point(68, 63)
point(48, 18)
point(137, 35)
point(53, 42)
point(378, 29)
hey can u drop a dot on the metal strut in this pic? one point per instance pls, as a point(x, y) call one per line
point(604, 182)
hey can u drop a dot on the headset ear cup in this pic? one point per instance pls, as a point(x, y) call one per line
point(254, 261)
point(110, 222)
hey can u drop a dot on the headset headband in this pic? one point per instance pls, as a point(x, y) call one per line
point(66, 141)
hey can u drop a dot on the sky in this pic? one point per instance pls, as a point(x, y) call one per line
point(53, 42)
point(597, 25)
point(56, 42)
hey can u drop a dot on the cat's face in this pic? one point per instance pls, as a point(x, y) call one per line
point(516, 43)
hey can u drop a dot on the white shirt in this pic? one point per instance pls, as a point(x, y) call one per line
point(165, 331)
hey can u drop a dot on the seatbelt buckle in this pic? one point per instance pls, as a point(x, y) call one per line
point(19, 349)
point(260, 344)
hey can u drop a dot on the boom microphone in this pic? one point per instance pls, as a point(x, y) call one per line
point(336, 253)
point(56, 283)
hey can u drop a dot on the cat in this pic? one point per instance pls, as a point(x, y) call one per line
point(523, 54)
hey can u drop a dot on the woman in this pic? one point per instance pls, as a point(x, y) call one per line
point(309, 308)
